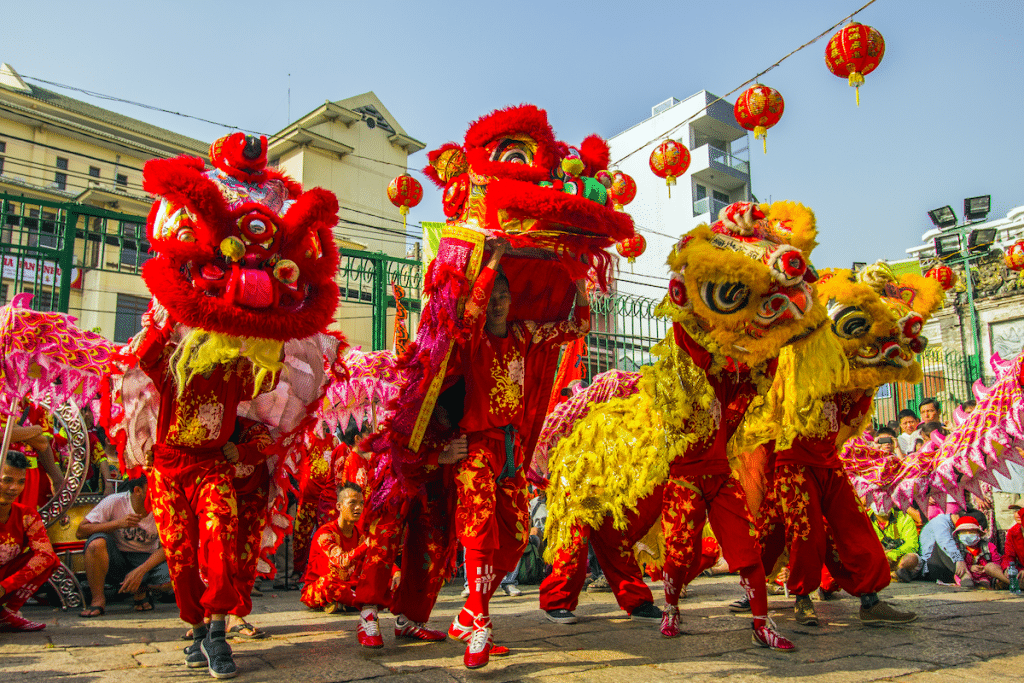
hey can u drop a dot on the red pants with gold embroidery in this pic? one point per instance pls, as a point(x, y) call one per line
point(813, 501)
point(491, 515)
point(328, 589)
point(253, 493)
point(196, 514)
point(614, 550)
point(428, 550)
point(14, 599)
point(688, 502)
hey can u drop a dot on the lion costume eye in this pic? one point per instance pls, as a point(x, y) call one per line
point(849, 322)
point(724, 297)
point(512, 152)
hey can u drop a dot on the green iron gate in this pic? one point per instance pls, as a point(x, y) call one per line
point(623, 328)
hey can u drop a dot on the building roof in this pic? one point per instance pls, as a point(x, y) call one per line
point(11, 82)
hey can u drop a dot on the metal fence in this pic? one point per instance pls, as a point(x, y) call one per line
point(623, 329)
point(948, 378)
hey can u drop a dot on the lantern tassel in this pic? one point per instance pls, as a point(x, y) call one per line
point(761, 133)
point(855, 80)
point(404, 210)
point(670, 180)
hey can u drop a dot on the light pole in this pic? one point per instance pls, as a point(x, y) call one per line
point(958, 246)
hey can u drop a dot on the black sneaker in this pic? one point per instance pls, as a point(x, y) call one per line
point(218, 657)
point(741, 605)
point(194, 657)
point(561, 616)
point(646, 612)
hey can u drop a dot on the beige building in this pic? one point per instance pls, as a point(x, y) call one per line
point(57, 152)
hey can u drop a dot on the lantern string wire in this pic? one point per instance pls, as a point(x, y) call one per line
point(745, 83)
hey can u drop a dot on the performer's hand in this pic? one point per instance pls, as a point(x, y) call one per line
point(982, 504)
point(456, 451)
point(230, 452)
point(395, 580)
point(130, 521)
point(132, 581)
point(497, 247)
point(961, 569)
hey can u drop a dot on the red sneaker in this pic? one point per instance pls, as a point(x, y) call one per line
point(11, 622)
point(670, 622)
point(478, 651)
point(369, 630)
point(766, 635)
point(410, 629)
point(459, 632)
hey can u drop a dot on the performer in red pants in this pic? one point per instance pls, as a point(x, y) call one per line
point(491, 518)
point(701, 487)
point(815, 495)
point(194, 500)
point(316, 480)
point(560, 591)
point(26, 556)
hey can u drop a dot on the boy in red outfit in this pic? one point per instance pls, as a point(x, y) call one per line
point(26, 556)
point(336, 556)
point(491, 516)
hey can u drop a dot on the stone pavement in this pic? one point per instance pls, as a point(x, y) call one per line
point(960, 636)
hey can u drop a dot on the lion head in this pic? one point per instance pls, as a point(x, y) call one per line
point(878, 318)
point(743, 284)
point(512, 179)
point(240, 249)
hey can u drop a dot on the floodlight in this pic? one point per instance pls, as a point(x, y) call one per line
point(859, 266)
point(981, 239)
point(977, 208)
point(943, 218)
point(947, 245)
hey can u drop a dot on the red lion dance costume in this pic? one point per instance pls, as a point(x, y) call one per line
point(512, 181)
point(243, 288)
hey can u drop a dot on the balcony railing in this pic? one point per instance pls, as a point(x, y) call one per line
point(730, 160)
point(708, 205)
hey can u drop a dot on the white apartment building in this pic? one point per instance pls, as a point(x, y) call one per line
point(719, 174)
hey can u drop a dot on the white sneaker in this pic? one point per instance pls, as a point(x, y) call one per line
point(512, 590)
point(465, 592)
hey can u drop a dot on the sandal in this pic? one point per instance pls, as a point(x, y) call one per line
point(246, 630)
point(93, 611)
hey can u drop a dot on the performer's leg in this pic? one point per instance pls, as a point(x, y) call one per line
point(862, 565)
point(614, 550)
point(40, 569)
point(734, 528)
point(217, 510)
point(800, 495)
point(683, 514)
point(252, 514)
point(178, 527)
point(426, 557)
point(560, 590)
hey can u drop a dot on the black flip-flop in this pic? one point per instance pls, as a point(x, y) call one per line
point(91, 612)
point(236, 630)
point(141, 602)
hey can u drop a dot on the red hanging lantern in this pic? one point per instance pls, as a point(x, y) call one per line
point(944, 275)
point(853, 52)
point(623, 190)
point(669, 160)
point(405, 192)
point(1014, 256)
point(758, 109)
point(632, 247)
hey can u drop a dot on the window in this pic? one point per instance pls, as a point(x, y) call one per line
point(128, 319)
point(122, 179)
point(94, 171)
point(720, 196)
point(3, 150)
point(702, 192)
point(60, 178)
point(134, 248)
point(3, 295)
point(62, 163)
point(42, 300)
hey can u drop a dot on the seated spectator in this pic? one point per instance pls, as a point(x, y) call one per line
point(123, 549)
point(930, 410)
point(335, 556)
point(26, 556)
point(1013, 550)
point(898, 534)
point(909, 435)
point(982, 558)
point(948, 542)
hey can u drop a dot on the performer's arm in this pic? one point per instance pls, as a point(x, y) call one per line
point(565, 331)
point(42, 555)
point(476, 307)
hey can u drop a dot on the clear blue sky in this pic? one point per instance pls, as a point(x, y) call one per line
point(939, 120)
